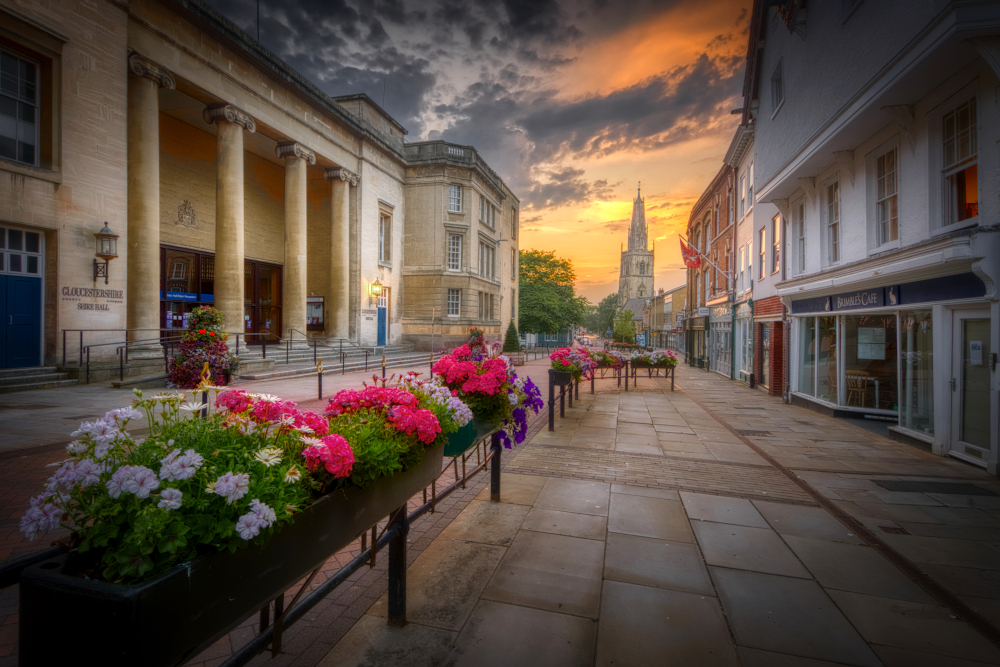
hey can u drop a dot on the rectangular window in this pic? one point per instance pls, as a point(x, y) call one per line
point(454, 252)
point(513, 304)
point(761, 249)
point(454, 302)
point(777, 90)
point(775, 243)
point(513, 263)
point(487, 257)
point(739, 277)
point(19, 120)
point(807, 355)
point(749, 264)
point(833, 222)
point(513, 223)
point(455, 198)
point(886, 193)
point(799, 232)
point(750, 186)
point(482, 206)
point(743, 195)
point(960, 163)
point(916, 337)
point(384, 238)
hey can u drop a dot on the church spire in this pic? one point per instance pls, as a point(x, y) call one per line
point(637, 234)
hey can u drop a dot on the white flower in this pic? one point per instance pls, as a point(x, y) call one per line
point(123, 414)
point(88, 472)
point(268, 398)
point(141, 483)
point(293, 475)
point(194, 457)
point(193, 407)
point(118, 480)
point(248, 526)
point(76, 447)
point(232, 486)
point(137, 392)
point(170, 499)
point(101, 450)
point(264, 513)
point(512, 397)
point(309, 441)
point(305, 429)
point(269, 457)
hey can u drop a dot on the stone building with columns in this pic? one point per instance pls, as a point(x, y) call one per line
point(229, 178)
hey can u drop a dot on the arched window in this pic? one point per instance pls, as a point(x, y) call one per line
point(642, 268)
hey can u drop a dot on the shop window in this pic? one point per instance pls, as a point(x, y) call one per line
point(764, 372)
point(960, 163)
point(454, 302)
point(916, 395)
point(870, 361)
point(807, 355)
point(454, 252)
point(455, 198)
point(826, 359)
point(19, 108)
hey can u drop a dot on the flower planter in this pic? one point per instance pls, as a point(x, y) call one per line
point(462, 440)
point(561, 378)
point(516, 358)
point(169, 619)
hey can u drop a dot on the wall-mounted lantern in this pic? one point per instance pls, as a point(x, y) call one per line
point(374, 291)
point(107, 249)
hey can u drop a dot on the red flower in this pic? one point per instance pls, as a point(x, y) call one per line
point(211, 333)
point(201, 331)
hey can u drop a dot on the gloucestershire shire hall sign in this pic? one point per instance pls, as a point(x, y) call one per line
point(89, 298)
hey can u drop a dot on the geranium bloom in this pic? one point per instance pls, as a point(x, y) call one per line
point(142, 482)
point(234, 400)
point(264, 513)
point(88, 472)
point(248, 526)
point(334, 453)
point(421, 422)
point(232, 486)
point(170, 499)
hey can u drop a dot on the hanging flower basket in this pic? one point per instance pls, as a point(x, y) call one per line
point(167, 620)
point(562, 378)
point(467, 436)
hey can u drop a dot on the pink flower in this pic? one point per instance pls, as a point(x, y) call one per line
point(334, 453)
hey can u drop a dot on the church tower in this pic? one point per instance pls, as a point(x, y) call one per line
point(635, 279)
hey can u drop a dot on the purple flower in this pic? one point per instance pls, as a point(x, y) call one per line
point(248, 526)
point(118, 480)
point(142, 482)
point(88, 472)
point(232, 486)
point(264, 514)
point(170, 499)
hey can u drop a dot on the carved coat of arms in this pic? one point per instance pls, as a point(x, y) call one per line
point(185, 215)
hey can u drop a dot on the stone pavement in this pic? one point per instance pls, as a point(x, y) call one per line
point(709, 526)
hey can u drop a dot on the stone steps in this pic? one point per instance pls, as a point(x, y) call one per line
point(15, 380)
point(374, 365)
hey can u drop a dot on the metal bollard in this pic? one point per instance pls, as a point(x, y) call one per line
point(495, 468)
point(552, 402)
point(383, 365)
point(397, 567)
point(319, 377)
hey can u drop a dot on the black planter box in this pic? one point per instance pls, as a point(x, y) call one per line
point(561, 378)
point(167, 620)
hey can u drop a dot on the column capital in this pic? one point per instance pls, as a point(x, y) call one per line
point(144, 67)
point(229, 113)
point(294, 149)
point(342, 174)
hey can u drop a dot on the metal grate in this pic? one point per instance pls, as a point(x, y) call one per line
point(756, 434)
point(895, 530)
point(955, 488)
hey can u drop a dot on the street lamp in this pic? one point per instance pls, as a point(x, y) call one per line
point(374, 291)
point(107, 249)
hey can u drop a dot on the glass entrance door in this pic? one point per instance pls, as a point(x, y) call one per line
point(970, 386)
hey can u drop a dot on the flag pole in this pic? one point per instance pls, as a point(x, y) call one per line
point(690, 245)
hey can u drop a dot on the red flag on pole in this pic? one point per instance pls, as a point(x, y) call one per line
point(692, 259)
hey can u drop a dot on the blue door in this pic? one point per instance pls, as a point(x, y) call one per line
point(382, 325)
point(21, 306)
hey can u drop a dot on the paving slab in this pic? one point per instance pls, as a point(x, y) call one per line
point(789, 616)
point(722, 510)
point(911, 625)
point(487, 522)
point(746, 548)
point(587, 526)
point(752, 657)
point(943, 551)
point(900, 657)
point(649, 517)
point(643, 626)
point(371, 643)
point(570, 495)
point(551, 572)
point(628, 489)
point(658, 563)
point(501, 635)
point(811, 522)
point(855, 568)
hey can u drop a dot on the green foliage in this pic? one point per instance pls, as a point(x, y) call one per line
point(602, 317)
point(206, 317)
point(548, 302)
point(511, 343)
point(624, 328)
point(380, 450)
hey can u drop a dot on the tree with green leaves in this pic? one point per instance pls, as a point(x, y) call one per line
point(511, 343)
point(548, 302)
point(602, 317)
point(624, 329)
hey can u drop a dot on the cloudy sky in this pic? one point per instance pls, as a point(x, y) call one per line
point(572, 102)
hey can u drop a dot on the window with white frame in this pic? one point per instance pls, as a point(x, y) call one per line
point(749, 283)
point(750, 186)
point(775, 244)
point(513, 223)
point(513, 263)
point(743, 195)
point(761, 245)
point(960, 163)
point(739, 276)
point(19, 91)
point(454, 302)
point(707, 276)
point(21, 252)
point(777, 90)
point(799, 235)
point(384, 238)
point(730, 205)
point(455, 198)
point(886, 197)
point(487, 258)
point(454, 252)
point(831, 210)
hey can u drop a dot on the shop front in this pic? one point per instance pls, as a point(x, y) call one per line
point(918, 353)
point(721, 339)
point(743, 331)
point(697, 348)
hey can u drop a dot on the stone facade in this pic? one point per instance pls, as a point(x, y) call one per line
point(635, 278)
point(230, 180)
point(461, 245)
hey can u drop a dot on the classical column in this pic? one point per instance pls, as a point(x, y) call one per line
point(293, 303)
point(230, 123)
point(340, 255)
point(144, 82)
